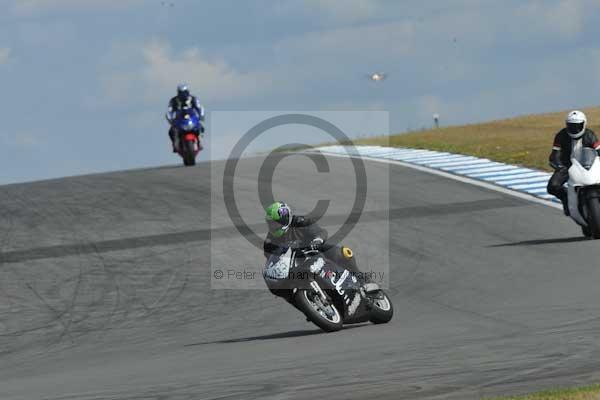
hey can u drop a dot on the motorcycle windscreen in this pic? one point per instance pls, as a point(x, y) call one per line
point(188, 120)
point(588, 156)
point(187, 125)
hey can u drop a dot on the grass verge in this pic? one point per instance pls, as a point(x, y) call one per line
point(525, 140)
point(583, 393)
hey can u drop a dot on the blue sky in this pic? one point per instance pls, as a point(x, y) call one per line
point(84, 83)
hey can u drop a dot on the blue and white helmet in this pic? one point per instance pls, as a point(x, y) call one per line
point(183, 91)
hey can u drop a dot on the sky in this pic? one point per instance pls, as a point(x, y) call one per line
point(84, 84)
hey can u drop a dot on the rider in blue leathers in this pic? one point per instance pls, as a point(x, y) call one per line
point(183, 100)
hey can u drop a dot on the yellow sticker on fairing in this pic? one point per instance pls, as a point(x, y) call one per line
point(347, 252)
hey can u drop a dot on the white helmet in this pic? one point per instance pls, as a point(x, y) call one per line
point(576, 124)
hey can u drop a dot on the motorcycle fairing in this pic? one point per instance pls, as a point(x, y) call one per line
point(344, 283)
point(190, 137)
point(580, 177)
point(278, 265)
point(187, 120)
point(328, 275)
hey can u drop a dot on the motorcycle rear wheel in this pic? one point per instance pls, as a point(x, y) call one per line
point(308, 301)
point(382, 310)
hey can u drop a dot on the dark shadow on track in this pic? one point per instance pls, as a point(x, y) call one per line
point(543, 241)
point(280, 335)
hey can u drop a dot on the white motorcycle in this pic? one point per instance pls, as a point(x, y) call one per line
point(584, 192)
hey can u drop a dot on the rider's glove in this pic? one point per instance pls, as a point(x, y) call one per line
point(316, 243)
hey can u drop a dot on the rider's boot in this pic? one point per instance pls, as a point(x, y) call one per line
point(565, 203)
point(172, 137)
point(370, 287)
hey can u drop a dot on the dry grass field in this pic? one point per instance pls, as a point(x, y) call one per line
point(525, 140)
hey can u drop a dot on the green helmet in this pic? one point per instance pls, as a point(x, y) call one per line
point(279, 218)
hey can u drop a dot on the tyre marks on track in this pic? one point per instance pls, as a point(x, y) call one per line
point(200, 235)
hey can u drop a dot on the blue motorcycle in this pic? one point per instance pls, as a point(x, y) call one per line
point(187, 134)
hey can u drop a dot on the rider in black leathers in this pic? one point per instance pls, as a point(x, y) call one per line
point(575, 134)
point(298, 231)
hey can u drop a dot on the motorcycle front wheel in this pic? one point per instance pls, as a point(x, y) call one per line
point(189, 157)
point(593, 208)
point(325, 316)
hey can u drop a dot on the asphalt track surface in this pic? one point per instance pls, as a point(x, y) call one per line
point(105, 292)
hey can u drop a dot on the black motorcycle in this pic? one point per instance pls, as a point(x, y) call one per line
point(329, 295)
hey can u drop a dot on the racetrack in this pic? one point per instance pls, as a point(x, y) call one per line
point(105, 292)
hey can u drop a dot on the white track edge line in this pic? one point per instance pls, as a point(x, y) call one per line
point(459, 178)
